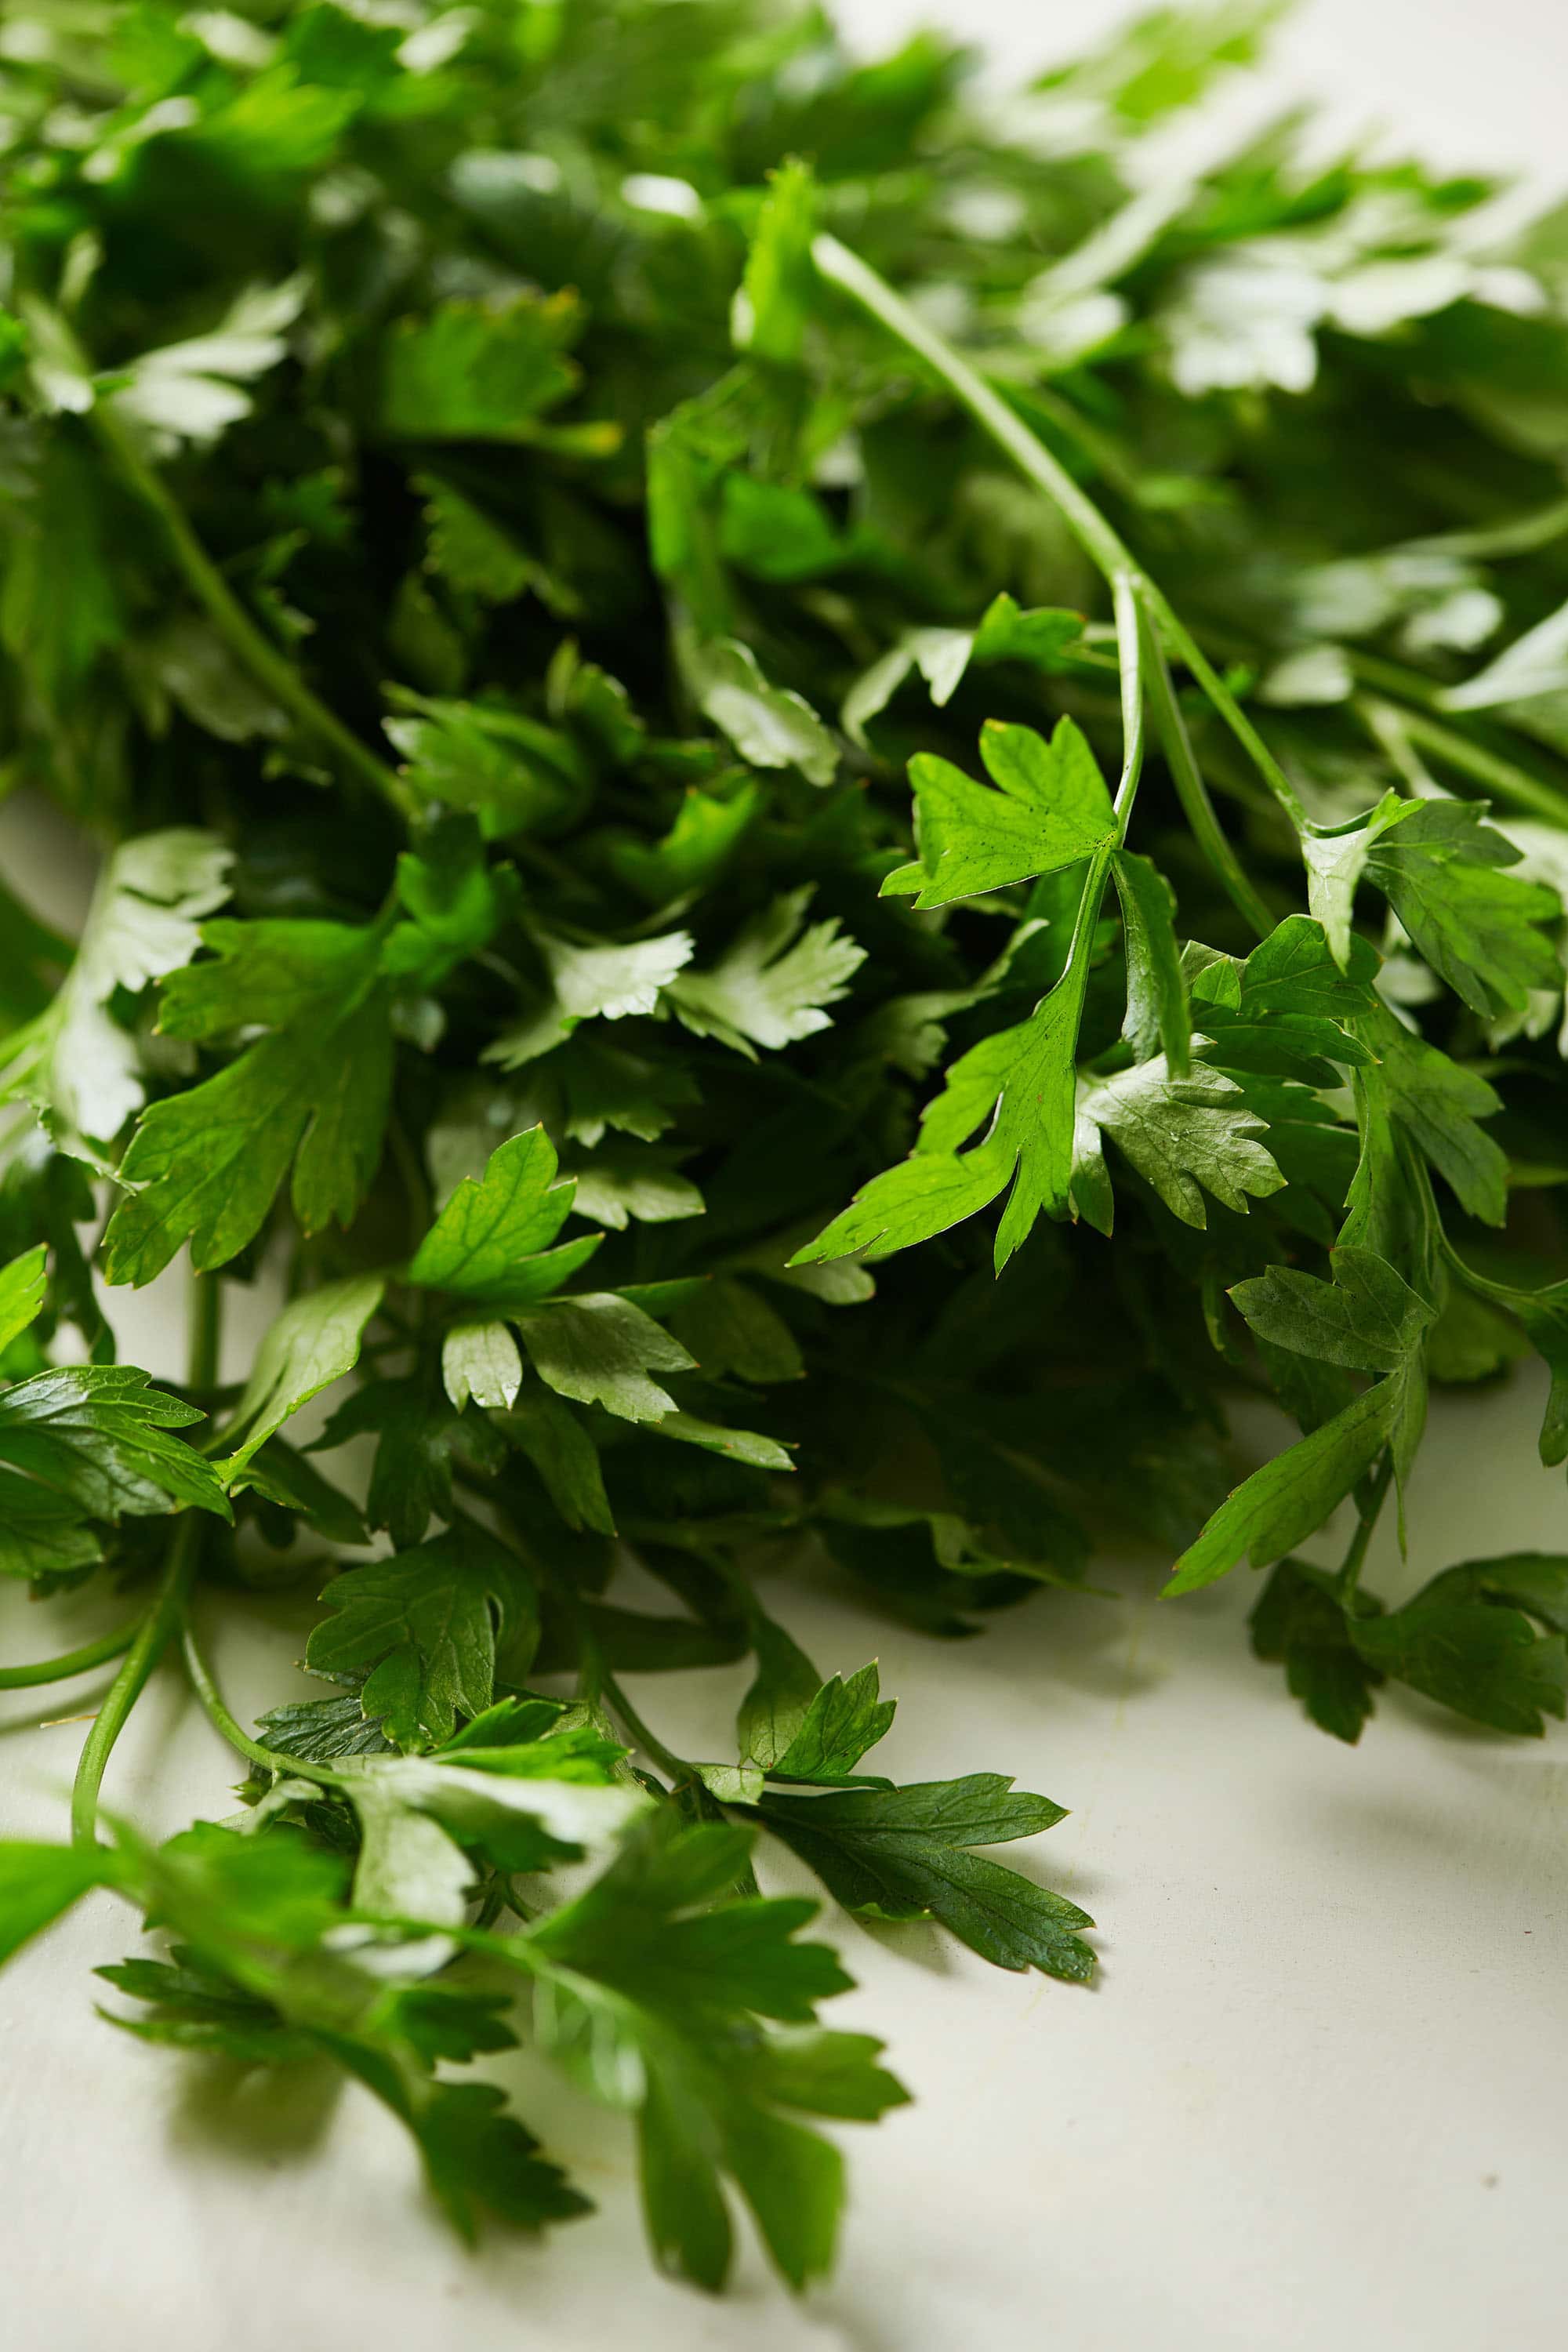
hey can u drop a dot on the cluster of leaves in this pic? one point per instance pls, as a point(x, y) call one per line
point(493, 508)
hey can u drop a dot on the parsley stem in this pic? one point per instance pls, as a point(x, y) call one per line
point(152, 1635)
point(205, 1685)
point(74, 1662)
point(1193, 796)
point(1130, 636)
point(250, 647)
point(1473, 760)
point(853, 277)
point(151, 1639)
point(204, 1330)
point(1103, 545)
point(1351, 1568)
point(668, 1763)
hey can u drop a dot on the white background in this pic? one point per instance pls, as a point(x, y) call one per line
point(1318, 2094)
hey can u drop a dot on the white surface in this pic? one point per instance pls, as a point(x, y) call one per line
point(1316, 2098)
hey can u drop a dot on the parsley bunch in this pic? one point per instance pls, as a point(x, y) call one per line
point(501, 506)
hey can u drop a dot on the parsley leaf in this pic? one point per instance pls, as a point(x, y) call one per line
point(205, 1165)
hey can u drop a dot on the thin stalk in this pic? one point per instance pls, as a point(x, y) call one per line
point(204, 1685)
point(1180, 641)
point(1483, 766)
point(152, 1635)
point(152, 1638)
point(1522, 536)
point(1349, 1571)
point(1386, 727)
point(251, 648)
point(1099, 543)
point(74, 1662)
point(1103, 545)
point(1129, 633)
point(204, 1331)
point(1197, 806)
point(669, 1764)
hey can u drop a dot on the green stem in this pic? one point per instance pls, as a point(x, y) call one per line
point(1180, 641)
point(251, 648)
point(204, 1338)
point(1104, 546)
point(1349, 1571)
point(1483, 766)
point(152, 1637)
point(74, 1662)
point(669, 1764)
point(1130, 636)
point(1197, 806)
point(1099, 543)
point(205, 1685)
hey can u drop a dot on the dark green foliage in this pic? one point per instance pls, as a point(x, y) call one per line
point(665, 823)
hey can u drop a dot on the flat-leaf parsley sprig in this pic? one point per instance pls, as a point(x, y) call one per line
point(727, 694)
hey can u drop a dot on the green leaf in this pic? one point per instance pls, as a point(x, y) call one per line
point(76, 1063)
point(842, 1721)
point(772, 985)
point(943, 657)
point(695, 850)
point(23, 1285)
point(599, 1349)
point(257, 1978)
point(1300, 1622)
point(631, 1182)
point(1185, 1136)
point(523, 1806)
point(905, 1854)
point(419, 1435)
point(511, 772)
point(314, 1341)
point(546, 1429)
point(470, 550)
point(1335, 860)
point(480, 1365)
point(191, 390)
point(775, 533)
point(731, 1329)
point(749, 1447)
point(1368, 1318)
point(910, 1203)
point(1483, 1659)
point(423, 1628)
point(779, 287)
point(1022, 1079)
point(98, 1434)
point(1158, 1019)
point(649, 1991)
point(455, 903)
point(205, 1165)
point(490, 1243)
point(1477, 928)
point(1289, 1011)
point(39, 1882)
point(472, 372)
point(477, 2159)
point(1534, 1581)
point(1438, 1103)
point(1051, 810)
point(320, 1730)
point(768, 725)
point(42, 1533)
point(1282, 1504)
point(60, 595)
point(780, 1697)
